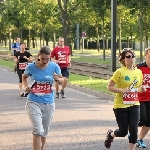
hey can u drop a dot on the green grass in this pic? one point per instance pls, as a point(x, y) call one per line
point(89, 82)
point(6, 63)
point(96, 60)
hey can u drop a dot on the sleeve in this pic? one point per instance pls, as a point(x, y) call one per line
point(57, 70)
point(141, 79)
point(28, 54)
point(116, 76)
point(27, 70)
point(69, 51)
point(13, 45)
point(16, 55)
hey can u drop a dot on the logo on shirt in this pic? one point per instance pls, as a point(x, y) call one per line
point(48, 77)
point(127, 78)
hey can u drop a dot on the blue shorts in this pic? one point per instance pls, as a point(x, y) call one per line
point(65, 72)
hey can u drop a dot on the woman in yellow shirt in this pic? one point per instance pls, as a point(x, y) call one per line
point(125, 82)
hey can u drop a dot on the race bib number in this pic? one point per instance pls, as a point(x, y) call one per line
point(22, 66)
point(131, 97)
point(42, 88)
point(62, 58)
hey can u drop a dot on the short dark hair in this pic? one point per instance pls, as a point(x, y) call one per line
point(45, 50)
point(22, 43)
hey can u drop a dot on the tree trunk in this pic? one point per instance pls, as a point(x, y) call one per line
point(141, 34)
point(10, 40)
point(120, 46)
point(97, 34)
point(33, 42)
point(103, 41)
point(65, 20)
point(128, 42)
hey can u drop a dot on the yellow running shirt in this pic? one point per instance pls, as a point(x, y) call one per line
point(123, 78)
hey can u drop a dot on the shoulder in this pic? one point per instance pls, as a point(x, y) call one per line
point(55, 48)
point(66, 47)
point(138, 70)
point(143, 64)
point(31, 64)
point(27, 52)
point(120, 69)
point(51, 63)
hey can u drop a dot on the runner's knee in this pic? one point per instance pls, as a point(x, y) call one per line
point(120, 133)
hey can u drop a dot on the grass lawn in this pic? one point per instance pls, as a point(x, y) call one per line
point(6, 63)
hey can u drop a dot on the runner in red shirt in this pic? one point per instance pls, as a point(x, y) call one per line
point(61, 55)
point(144, 99)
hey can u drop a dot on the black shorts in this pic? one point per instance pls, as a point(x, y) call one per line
point(145, 114)
point(65, 72)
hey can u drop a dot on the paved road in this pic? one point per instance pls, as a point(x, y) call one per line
point(80, 121)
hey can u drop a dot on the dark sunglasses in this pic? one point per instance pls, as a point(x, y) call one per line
point(130, 56)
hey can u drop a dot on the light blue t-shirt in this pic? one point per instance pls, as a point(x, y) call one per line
point(42, 75)
point(16, 45)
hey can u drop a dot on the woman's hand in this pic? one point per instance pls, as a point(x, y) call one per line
point(126, 90)
point(56, 77)
point(28, 89)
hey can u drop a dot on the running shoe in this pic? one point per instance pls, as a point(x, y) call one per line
point(22, 95)
point(57, 95)
point(62, 94)
point(108, 139)
point(26, 94)
point(140, 144)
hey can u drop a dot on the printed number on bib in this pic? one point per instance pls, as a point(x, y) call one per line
point(62, 58)
point(22, 66)
point(42, 88)
point(131, 97)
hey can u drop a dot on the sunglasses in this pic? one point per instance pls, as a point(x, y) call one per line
point(61, 41)
point(130, 56)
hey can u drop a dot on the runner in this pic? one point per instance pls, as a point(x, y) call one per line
point(144, 99)
point(16, 47)
point(21, 60)
point(40, 102)
point(61, 55)
point(125, 82)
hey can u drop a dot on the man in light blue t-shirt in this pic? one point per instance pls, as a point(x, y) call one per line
point(16, 46)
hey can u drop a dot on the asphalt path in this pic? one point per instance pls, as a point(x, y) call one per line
point(80, 121)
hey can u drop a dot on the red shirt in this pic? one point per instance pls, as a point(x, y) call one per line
point(145, 96)
point(61, 54)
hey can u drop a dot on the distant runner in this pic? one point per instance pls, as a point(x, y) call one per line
point(21, 59)
point(61, 55)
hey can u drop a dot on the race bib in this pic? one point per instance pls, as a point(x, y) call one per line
point(131, 97)
point(42, 88)
point(62, 58)
point(22, 66)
